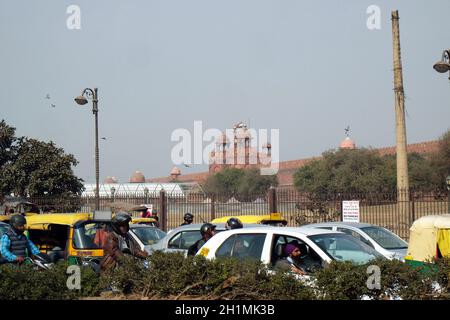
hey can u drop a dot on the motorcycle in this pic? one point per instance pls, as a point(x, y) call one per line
point(40, 261)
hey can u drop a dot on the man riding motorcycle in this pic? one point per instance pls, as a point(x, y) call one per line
point(15, 246)
point(119, 242)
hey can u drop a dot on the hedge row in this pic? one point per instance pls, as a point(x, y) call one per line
point(171, 275)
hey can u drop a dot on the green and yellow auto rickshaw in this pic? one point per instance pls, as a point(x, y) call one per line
point(75, 237)
point(429, 240)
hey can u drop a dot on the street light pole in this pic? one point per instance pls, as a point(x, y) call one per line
point(82, 100)
point(443, 66)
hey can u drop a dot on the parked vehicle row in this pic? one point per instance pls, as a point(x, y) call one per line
point(79, 238)
point(381, 239)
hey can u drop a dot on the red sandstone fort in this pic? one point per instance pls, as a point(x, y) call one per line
point(237, 152)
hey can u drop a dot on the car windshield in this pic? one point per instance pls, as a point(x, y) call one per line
point(343, 247)
point(148, 235)
point(385, 238)
point(90, 235)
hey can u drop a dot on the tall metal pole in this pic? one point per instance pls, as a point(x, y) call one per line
point(402, 156)
point(97, 169)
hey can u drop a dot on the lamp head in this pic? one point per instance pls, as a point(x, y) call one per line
point(442, 66)
point(81, 100)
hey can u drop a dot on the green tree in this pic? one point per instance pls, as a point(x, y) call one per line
point(8, 151)
point(346, 171)
point(239, 183)
point(35, 168)
point(225, 181)
point(7, 140)
point(440, 161)
point(253, 183)
point(365, 171)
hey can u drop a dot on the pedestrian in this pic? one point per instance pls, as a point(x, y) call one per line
point(146, 213)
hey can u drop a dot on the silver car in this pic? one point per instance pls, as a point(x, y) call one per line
point(181, 238)
point(146, 235)
point(381, 239)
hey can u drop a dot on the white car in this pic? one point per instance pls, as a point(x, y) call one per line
point(319, 247)
point(381, 239)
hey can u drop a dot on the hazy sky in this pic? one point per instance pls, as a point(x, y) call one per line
point(308, 68)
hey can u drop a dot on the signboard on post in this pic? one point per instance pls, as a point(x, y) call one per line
point(350, 211)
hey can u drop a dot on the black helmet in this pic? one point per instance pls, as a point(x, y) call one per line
point(119, 219)
point(206, 228)
point(188, 217)
point(17, 220)
point(233, 223)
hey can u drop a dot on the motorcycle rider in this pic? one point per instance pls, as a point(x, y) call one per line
point(15, 246)
point(118, 242)
point(233, 223)
point(207, 230)
point(188, 218)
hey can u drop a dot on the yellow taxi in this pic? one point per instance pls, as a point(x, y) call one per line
point(273, 219)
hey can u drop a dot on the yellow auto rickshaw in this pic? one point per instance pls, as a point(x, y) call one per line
point(148, 221)
point(75, 237)
point(5, 218)
point(429, 240)
point(273, 219)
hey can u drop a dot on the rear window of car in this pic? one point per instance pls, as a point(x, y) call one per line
point(184, 239)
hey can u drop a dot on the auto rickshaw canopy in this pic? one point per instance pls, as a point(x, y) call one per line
point(428, 235)
point(39, 221)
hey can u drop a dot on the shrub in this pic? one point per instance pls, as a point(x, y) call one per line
point(442, 277)
point(399, 280)
point(27, 283)
point(174, 276)
point(171, 274)
point(342, 281)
